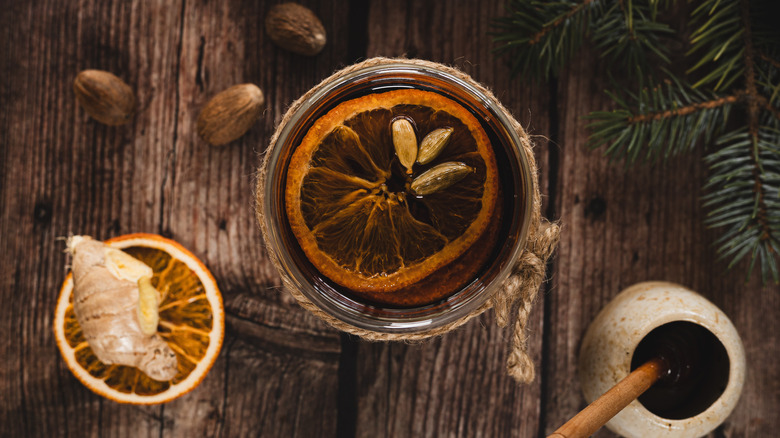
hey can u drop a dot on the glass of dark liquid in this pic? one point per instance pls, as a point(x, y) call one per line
point(397, 197)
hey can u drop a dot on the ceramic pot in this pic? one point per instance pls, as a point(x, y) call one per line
point(610, 344)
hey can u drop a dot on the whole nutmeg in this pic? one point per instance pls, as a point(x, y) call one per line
point(105, 97)
point(295, 28)
point(230, 114)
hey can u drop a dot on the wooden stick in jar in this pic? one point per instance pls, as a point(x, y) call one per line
point(598, 413)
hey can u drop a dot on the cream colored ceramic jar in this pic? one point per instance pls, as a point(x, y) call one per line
point(612, 338)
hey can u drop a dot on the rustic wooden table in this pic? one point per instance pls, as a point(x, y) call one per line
point(281, 371)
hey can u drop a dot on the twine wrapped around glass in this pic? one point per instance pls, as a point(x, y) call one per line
point(508, 284)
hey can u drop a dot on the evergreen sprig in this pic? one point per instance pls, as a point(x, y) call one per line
point(542, 35)
point(743, 199)
point(628, 32)
point(659, 122)
point(729, 99)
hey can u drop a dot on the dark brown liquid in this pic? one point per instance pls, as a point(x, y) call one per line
point(498, 241)
point(698, 369)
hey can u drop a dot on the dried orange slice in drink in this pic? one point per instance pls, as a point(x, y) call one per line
point(351, 204)
point(191, 322)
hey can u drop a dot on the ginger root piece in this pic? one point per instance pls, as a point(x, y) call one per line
point(116, 307)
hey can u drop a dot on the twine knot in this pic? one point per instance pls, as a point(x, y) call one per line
point(523, 287)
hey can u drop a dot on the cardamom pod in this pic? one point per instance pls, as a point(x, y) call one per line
point(405, 143)
point(440, 177)
point(433, 144)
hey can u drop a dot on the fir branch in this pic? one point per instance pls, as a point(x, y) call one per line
point(759, 221)
point(558, 21)
point(746, 168)
point(685, 110)
point(735, 54)
point(627, 31)
point(541, 36)
point(662, 121)
point(744, 199)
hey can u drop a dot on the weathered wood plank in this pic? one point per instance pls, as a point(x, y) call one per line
point(456, 385)
point(64, 173)
point(622, 226)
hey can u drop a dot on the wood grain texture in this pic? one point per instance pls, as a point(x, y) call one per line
point(282, 372)
point(64, 173)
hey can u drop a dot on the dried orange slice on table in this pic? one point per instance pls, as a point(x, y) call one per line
point(191, 322)
point(388, 188)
